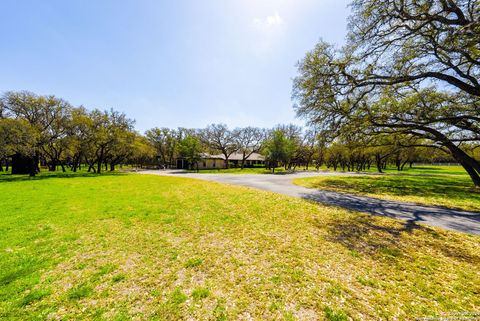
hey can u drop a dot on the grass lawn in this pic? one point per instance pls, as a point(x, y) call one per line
point(451, 188)
point(116, 247)
point(430, 170)
point(247, 170)
point(253, 170)
point(420, 170)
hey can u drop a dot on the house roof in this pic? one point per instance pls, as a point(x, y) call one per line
point(209, 156)
point(253, 157)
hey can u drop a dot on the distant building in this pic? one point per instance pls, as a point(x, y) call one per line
point(253, 160)
point(208, 161)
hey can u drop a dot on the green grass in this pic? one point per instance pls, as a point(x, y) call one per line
point(247, 170)
point(254, 170)
point(415, 170)
point(117, 247)
point(426, 170)
point(454, 191)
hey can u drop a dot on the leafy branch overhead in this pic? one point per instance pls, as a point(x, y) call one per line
point(409, 68)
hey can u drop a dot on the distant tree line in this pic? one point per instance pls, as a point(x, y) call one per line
point(288, 146)
point(48, 131)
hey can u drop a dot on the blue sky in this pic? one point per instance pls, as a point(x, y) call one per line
point(184, 63)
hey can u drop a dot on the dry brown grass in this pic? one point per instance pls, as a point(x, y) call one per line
point(148, 247)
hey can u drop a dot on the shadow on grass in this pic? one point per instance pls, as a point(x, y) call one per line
point(410, 213)
point(6, 177)
point(445, 187)
point(361, 234)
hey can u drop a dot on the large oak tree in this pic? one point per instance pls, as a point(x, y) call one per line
point(409, 67)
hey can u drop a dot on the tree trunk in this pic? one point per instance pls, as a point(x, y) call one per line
point(398, 163)
point(378, 161)
point(34, 169)
point(91, 165)
point(52, 167)
point(468, 163)
point(473, 174)
point(226, 160)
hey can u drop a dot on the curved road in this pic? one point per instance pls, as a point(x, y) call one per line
point(457, 220)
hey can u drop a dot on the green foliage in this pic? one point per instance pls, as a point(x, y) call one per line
point(279, 148)
point(165, 141)
point(50, 127)
point(417, 80)
point(190, 148)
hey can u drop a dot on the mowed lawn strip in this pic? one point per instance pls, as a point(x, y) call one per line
point(168, 248)
point(416, 170)
point(453, 191)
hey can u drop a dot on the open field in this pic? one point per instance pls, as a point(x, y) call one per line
point(246, 170)
point(449, 188)
point(124, 245)
point(252, 170)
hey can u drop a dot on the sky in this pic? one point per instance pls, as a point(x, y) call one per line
point(166, 63)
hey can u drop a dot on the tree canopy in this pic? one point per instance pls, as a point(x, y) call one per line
point(409, 68)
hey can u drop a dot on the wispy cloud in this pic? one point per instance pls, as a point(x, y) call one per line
point(269, 21)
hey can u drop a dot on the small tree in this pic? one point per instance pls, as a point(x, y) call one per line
point(190, 148)
point(276, 149)
point(165, 141)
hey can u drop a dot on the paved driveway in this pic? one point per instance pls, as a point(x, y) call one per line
point(463, 221)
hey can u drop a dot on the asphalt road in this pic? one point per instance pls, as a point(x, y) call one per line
point(457, 220)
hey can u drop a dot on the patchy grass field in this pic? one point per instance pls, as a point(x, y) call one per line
point(416, 170)
point(450, 190)
point(429, 170)
point(117, 247)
